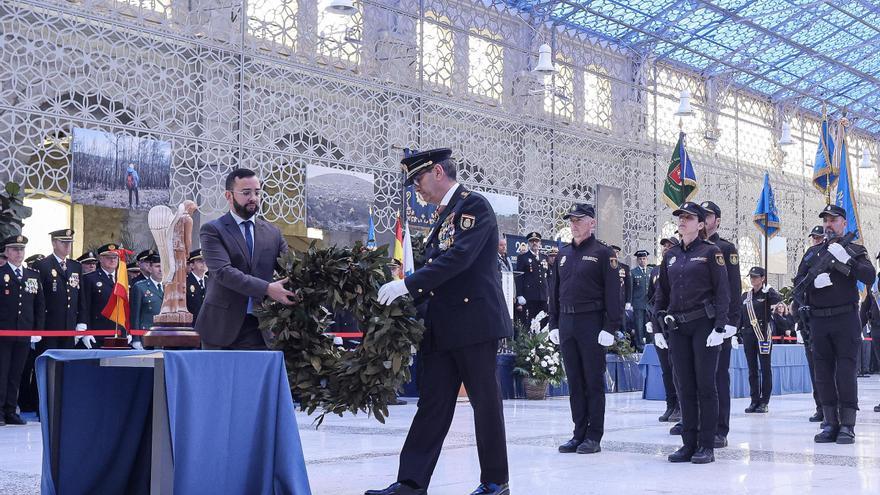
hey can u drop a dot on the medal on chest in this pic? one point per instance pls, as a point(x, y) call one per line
point(74, 280)
point(446, 235)
point(31, 286)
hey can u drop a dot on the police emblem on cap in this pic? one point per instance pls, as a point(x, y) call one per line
point(111, 247)
point(19, 239)
point(734, 259)
point(705, 205)
point(467, 221)
point(613, 262)
point(719, 258)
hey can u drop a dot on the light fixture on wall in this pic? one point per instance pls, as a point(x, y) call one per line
point(684, 104)
point(866, 159)
point(545, 61)
point(785, 139)
point(341, 7)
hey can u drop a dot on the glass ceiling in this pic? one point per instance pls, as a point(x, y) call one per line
point(801, 51)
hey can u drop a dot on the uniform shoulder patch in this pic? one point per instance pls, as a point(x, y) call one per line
point(734, 259)
point(465, 194)
point(719, 258)
point(466, 221)
point(614, 263)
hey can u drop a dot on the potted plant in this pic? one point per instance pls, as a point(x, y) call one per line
point(538, 361)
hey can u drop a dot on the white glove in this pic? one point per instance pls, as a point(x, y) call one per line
point(521, 300)
point(137, 346)
point(128, 339)
point(839, 252)
point(734, 343)
point(649, 327)
point(391, 291)
point(800, 338)
point(88, 340)
point(822, 280)
point(554, 336)
point(628, 307)
point(766, 289)
point(606, 339)
point(35, 339)
point(714, 339)
point(660, 341)
point(337, 340)
point(729, 331)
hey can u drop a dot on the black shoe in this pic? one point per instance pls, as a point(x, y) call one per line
point(752, 408)
point(846, 435)
point(398, 488)
point(589, 447)
point(762, 408)
point(676, 415)
point(492, 489)
point(684, 454)
point(570, 446)
point(14, 419)
point(877, 408)
point(676, 430)
point(703, 455)
point(2, 421)
point(818, 417)
point(720, 442)
point(827, 435)
point(665, 416)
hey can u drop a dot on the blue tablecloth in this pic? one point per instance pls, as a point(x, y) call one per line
point(620, 376)
point(233, 428)
point(791, 375)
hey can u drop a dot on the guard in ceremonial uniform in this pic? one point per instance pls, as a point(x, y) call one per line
point(459, 292)
point(94, 294)
point(552, 270)
point(531, 283)
point(32, 260)
point(88, 261)
point(196, 283)
point(692, 302)
point(734, 282)
point(586, 310)
point(673, 411)
point(60, 277)
point(757, 337)
point(831, 305)
point(22, 307)
point(146, 296)
point(641, 281)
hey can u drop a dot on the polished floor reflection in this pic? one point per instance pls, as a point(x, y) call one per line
point(771, 453)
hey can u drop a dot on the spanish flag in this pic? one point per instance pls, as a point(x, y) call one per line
point(398, 243)
point(117, 309)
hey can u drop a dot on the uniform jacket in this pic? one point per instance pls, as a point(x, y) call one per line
point(532, 283)
point(458, 287)
point(693, 277)
point(626, 289)
point(760, 302)
point(97, 287)
point(869, 312)
point(734, 278)
point(843, 289)
point(195, 294)
point(61, 291)
point(22, 306)
point(145, 303)
point(641, 282)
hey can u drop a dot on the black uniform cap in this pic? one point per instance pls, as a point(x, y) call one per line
point(108, 249)
point(62, 235)
point(33, 259)
point(88, 257)
point(194, 255)
point(132, 266)
point(16, 240)
point(832, 210)
point(534, 236)
point(673, 241)
point(143, 255)
point(616, 248)
point(152, 258)
point(641, 253)
point(580, 210)
point(818, 231)
point(414, 163)
point(692, 209)
point(757, 271)
point(711, 207)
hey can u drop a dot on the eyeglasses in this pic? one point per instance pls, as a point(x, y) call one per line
point(249, 193)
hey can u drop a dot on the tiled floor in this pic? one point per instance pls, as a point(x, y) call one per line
point(771, 453)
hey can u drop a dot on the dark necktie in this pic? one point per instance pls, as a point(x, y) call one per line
point(248, 236)
point(18, 273)
point(64, 266)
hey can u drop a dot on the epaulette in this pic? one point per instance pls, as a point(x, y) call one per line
point(600, 241)
point(464, 194)
point(707, 241)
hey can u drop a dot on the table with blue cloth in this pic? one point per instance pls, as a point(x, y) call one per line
point(791, 374)
point(621, 375)
point(137, 422)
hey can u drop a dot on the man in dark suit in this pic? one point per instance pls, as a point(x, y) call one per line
point(240, 251)
point(97, 287)
point(531, 281)
point(459, 292)
point(22, 307)
point(195, 283)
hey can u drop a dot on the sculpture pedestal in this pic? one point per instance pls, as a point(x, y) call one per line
point(172, 337)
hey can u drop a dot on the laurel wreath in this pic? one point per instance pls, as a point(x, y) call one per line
point(325, 376)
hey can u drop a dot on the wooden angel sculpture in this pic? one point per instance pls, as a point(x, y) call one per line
point(173, 234)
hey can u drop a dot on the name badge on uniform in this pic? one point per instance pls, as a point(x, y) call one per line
point(590, 258)
point(699, 259)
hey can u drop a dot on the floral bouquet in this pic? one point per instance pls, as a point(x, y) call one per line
point(537, 353)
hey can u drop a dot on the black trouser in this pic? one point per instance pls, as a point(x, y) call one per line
point(584, 362)
point(28, 395)
point(13, 353)
point(722, 384)
point(249, 338)
point(760, 380)
point(875, 348)
point(668, 377)
point(137, 200)
point(808, 351)
point(695, 368)
point(640, 316)
point(442, 374)
point(836, 341)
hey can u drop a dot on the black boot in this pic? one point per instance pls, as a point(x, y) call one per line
point(683, 454)
point(847, 434)
point(676, 414)
point(665, 416)
point(677, 429)
point(703, 455)
point(761, 408)
point(570, 446)
point(819, 417)
point(831, 426)
point(752, 408)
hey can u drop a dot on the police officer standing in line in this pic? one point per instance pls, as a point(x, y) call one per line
point(465, 314)
point(196, 283)
point(586, 310)
point(146, 298)
point(734, 282)
point(60, 277)
point(531, 285)
point(831, 305)
point(756, 304)
point(143, 265)
point(817, 236)
point(653, 327)
point(869, 314)
point(641, 282)
point(88, 261)
point(692, 302)
point(94, 294)
point(625, 288)
point(22, 307)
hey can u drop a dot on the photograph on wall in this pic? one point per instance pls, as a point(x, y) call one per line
point(506, 211)
point(119, 171)
point(338, 200)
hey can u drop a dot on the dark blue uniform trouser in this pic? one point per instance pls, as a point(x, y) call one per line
point(13, 354)
point(584, 362)
point(441, 376)
point(668, 377)
point(722, 385)
point(640, 317)
point(760, 381)
point(695, 368)
point(836, 341)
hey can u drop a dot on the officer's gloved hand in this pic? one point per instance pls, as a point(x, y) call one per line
point(554, 336)
point(766, 288)
point(660, 341)
point(839, 252)
point(521, 300)
point(137, 346)
point(823, 280)
point(35, 339)
point(734, 343)
point(715, 338)
point(606, 339)
point(649, 327)
point(391, 291)
point(628, 307)
point(729, 331)
point(800, 338)
point(88, 340)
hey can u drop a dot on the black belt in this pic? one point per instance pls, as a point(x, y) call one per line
point(689, 316)
point(581, 307)
point(833, 310)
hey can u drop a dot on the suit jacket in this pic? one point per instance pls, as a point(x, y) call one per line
point(458, 287)
point(145, 303)
point(22, 306)
point(93, 296)
point(235, 277)
point(61, 291)
point(195, 294)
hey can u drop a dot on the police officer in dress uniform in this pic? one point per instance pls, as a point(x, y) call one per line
point(531, 284)
point(641, 281)
point(459, 292)
point(762, 298)
point(22, 307)
point(88, 261)
point(673, 411)
point(552, 270)
point(146, 296)
point(28, 395)
point(60, 277)
point(692, 301)
point(831, 305)
point(196, 283)
point(625, 289)
point(586, 310)
point(94, 294)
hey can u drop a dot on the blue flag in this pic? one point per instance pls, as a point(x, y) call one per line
point(766, 215)
point(371, 232)
point(824, 173)
point(846, 193)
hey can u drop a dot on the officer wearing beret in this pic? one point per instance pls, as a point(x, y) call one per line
point(586, 310)
point(756, 336)
point(22, 307)
point(196, 283)
point(88, 261)
point(641, 281)
point(692, 302)
point(465, 314)
point(146, 297)
point(60, 277)
point(531, 282)
point(731, 261)
point(831, 304)
point(97, 287)
point(673, 411)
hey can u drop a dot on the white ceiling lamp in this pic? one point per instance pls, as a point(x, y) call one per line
point(866, 159)
point(785, 139)
point(684, 104)
point(341, 7)
point(545, 61)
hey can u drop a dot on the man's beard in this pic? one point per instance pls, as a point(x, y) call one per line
point(241, 210)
